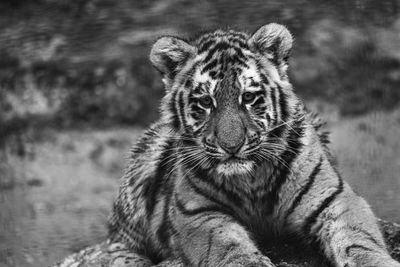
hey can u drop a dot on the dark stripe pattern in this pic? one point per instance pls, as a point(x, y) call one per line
point(279, 102)
point(230, 195)
point(217, 58)
point(182, 108)
point(282, 171)
point(367, 235)
point(156, 182)
point(305, 189)
point(163, 231)
point(173, 110)
point(224, 207)
point(355, 246)
point(192, 212)
point(312, 218)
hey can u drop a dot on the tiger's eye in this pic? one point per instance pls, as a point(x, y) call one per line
point(248, 97)
point(206, 101)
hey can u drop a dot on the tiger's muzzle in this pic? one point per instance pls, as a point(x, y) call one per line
point(230, 132)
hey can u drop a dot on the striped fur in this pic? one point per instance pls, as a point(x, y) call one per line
point(235, 161)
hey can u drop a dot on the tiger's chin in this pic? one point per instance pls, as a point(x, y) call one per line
point(235, 167)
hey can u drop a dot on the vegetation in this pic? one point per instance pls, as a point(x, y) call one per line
point(73, 63)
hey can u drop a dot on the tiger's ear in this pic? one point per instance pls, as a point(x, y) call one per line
point(169, 54)
point(275, 42)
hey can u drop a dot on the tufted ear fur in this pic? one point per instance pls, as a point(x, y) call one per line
point(169, 54)
point(275, 42)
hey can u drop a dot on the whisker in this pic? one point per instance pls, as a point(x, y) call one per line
point(287, 124)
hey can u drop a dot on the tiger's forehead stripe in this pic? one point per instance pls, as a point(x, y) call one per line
point(220, 52)
point(218, 41)
point(207, 40)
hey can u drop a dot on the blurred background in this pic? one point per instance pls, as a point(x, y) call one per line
point(77, 88)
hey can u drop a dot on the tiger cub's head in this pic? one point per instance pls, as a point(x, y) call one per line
point(226, 92)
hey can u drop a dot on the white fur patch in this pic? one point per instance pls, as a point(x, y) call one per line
point(235, 167)
point(199, 77)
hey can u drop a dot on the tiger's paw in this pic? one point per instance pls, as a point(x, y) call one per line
point(373, 260)
point(170, 263)
point(383, 263)
point(253, 260)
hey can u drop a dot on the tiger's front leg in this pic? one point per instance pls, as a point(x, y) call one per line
point(326, 211)
point(350, 236)
point(347, 232)
point(205, 234)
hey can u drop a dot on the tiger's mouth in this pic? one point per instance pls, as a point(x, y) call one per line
point(234, 159)
point(234, 166)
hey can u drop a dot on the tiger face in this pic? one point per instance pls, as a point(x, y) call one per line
point(224, 96)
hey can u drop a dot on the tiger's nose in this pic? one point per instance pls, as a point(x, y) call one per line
point(231, 148)
point(230, 132)
point(231, 138)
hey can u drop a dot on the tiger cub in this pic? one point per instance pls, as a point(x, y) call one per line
point(235, 160)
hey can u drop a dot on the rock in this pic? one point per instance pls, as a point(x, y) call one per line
point(33, 182)
point(391, 232)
